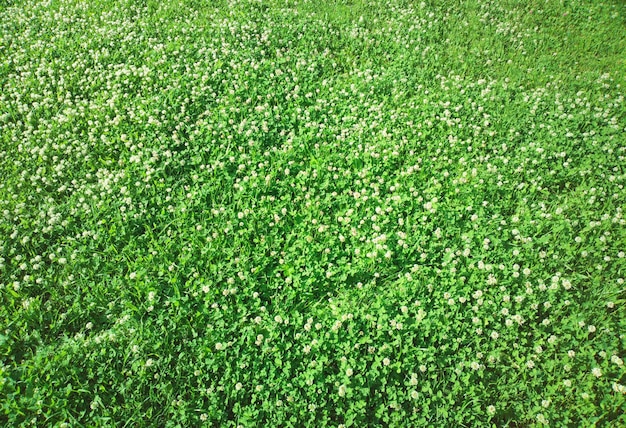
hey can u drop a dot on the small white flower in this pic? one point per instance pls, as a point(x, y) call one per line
point(542, 419)
point(342, 391)
point(619, 388)
point(596, 372)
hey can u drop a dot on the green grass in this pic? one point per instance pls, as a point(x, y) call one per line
point(312, 213)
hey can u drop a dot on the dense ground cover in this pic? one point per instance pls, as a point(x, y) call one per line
point(322, 213)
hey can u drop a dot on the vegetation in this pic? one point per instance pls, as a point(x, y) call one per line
point(313, 213)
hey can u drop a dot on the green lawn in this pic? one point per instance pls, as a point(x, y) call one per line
point(270, 213)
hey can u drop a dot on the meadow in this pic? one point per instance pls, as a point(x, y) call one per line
point(339, 213)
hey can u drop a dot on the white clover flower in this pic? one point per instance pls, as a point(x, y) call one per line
point(596, 372)
point(342, 390)
point(619, 388)
point(542, 419)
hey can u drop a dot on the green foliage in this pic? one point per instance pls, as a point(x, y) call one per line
point(318, 213)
